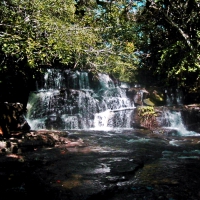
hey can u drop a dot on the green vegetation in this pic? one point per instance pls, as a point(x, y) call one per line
point(151, 42)
point(170, 41)
point(147, 116)
point(82, 35)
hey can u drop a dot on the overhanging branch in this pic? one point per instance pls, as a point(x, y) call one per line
point(185, 36)
point(171, 22)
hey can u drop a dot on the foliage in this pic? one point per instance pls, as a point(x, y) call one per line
point(85, 35)
point(147, 116)
point(114, 53)
point(169, 40)
point(154, 42)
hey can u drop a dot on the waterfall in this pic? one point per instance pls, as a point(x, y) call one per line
point(174, 97)
point(173, 120)
point(75, 100)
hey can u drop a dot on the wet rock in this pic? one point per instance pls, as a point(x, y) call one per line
point(191, 117)
point(151, 170)
point(12, 118)
point(115, 179)
point(125, 167)
point(73, 136)
point(39, 139)
point(166, 131)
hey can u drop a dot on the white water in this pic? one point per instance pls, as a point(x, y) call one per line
point(105, 107)
point(113, 119)
point(82, 108)
point(174, 97)
point(175, 122)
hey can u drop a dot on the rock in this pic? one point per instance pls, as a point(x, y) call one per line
point(138, 98)
point(39, 139)
point(137, 95)
point(144, 117)
point(148, 102)
point(156, 95)
point(12, 118)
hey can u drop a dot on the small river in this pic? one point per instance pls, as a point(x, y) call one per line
point(121, 164)
point(136, 165)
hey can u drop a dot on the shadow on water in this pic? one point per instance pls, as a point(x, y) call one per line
point(123, 164)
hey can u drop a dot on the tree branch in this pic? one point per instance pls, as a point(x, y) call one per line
point(170, 21)
point(185, 36)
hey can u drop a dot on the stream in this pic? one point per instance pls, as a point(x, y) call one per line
point(132, 165)
point(113, 165)
point(107, 158)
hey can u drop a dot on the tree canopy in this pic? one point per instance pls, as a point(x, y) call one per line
point(84, 35)
point(152, 41)
point(170, 40)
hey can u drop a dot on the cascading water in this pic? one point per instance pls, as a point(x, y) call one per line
point(67, 100)
point(70, 100)
point(174, 97)
point(173, 120)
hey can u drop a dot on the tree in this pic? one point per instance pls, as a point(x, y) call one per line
point(28, 40)
point(83, 35)
point(30, 30)
point(169, 33)
point(114, 53)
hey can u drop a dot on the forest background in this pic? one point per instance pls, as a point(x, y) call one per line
point(152, 42)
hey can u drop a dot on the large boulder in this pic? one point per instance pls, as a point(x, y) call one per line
point(191, 117)
point(12, 118)
point(156, 95)
point(137, 95)
point(145, 117)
